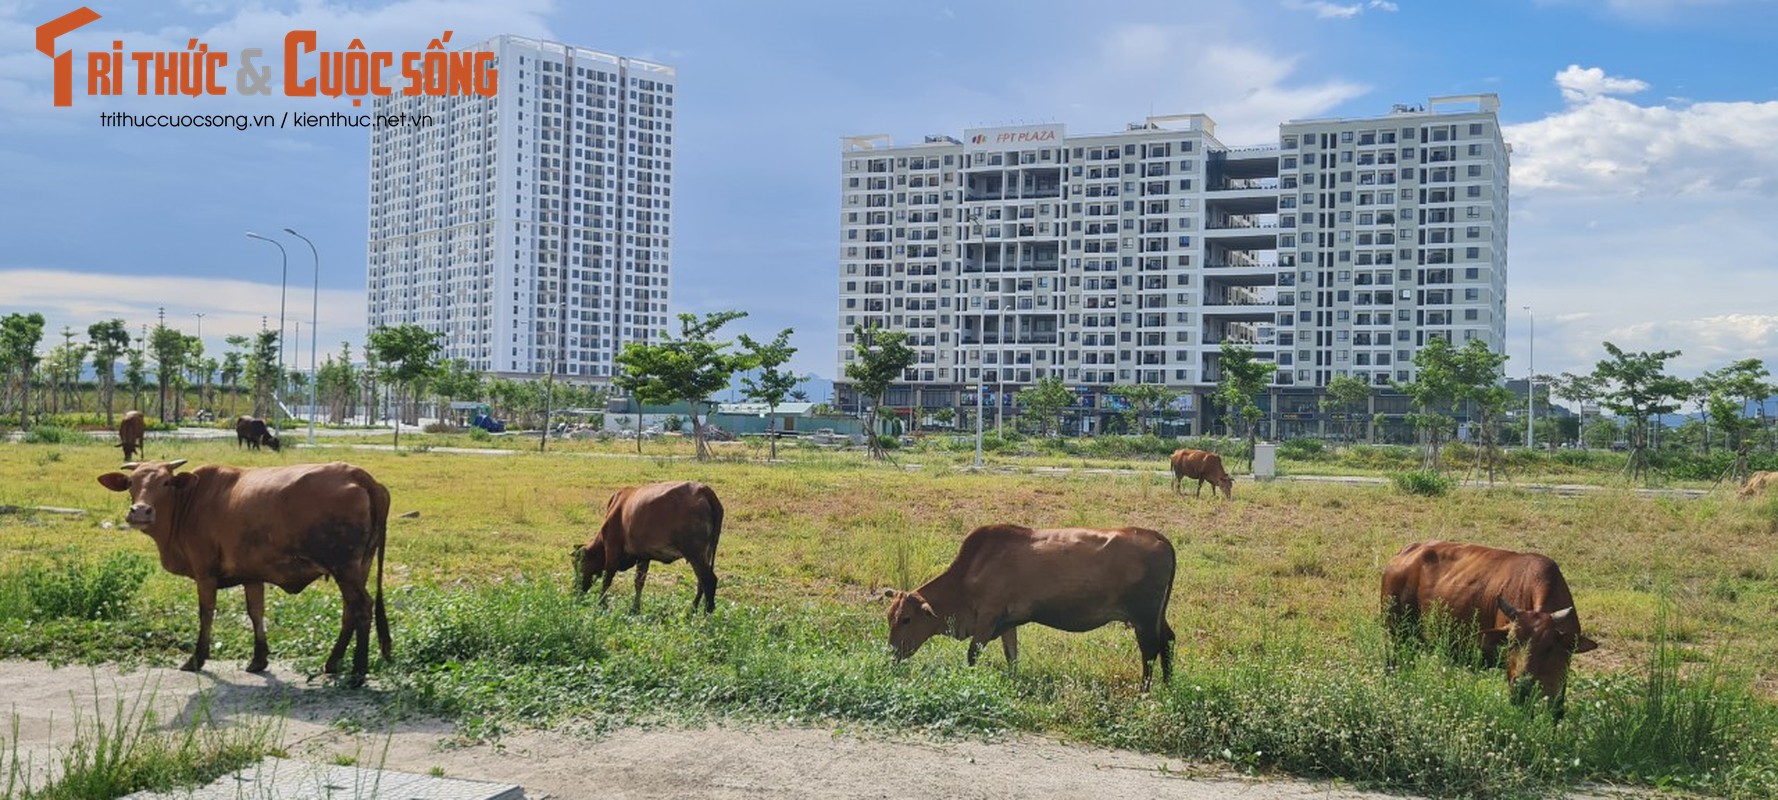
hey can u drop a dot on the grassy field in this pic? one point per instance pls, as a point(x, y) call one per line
point(1275, 604)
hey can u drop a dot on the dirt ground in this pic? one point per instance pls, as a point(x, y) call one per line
point(719, 761)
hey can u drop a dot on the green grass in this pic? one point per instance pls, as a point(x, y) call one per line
point(1275, 604)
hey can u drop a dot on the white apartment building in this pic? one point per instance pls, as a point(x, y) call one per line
point(532, 228)
point(1128, 258)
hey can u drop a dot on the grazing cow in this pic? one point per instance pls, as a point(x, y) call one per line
point(252, 432)
point(658, 522)
point(131, 433)
point(1072, 579)
point(1516, 601)
point(1758, 483)
point(287, 526)
point(1204, 466)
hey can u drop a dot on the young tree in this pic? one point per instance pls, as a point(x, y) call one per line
point(262, 371)
point(772, 385)
point(19, 337)
point(1476, 373)
point(1144, 400)
point(167, 345)
point(110, 341)
point(1348, 395)
point(407, 353)
point(1434, 394)
point(1243, 379)
point(878, 359)
point(691, 366)
point(456, 381)
point(135, 376)
point(1044, 402)
point(1636, 388)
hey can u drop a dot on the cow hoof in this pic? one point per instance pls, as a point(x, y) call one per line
point(256, 666)
point(191, 665)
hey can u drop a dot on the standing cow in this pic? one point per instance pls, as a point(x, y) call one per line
point(658, 522)
point(1516, 601)
point(1204, 466)
point(252, 432)
point(132, 431)
point(1072, 579)
point(287, 526)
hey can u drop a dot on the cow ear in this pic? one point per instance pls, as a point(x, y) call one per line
point(1493, 638)
point(184, 480)
point(888, 594)
point(115, 481)
point(1585, 645)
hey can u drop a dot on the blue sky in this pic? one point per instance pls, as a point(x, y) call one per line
point(1645, 178)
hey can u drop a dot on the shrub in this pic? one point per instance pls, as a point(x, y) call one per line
point(1303, 449)
point(1423, 482)
point(55, 434)
point(440, 427)
point(68, 589)
point(479, 435)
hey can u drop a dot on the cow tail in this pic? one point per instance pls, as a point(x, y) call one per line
point(715, 525)
point(1164, 631)
point(379, 512)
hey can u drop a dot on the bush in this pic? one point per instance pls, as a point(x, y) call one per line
point(479, 435)
point(1425, 483)
point(1303, 449)
point(440, 427)
point(55, 434)
point(68, 589)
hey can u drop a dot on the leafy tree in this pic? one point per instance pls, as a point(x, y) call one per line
point(879, 358)
point(945, 416)
point(1044, 403)
point(1434, 393)
point(772, 385)
point(1144, 400)
point(193, 363)
point(110, 341)
point(1243, 379)
point(262, 371)
point(1348, 395)
point(1745, 383)
point(407, 353)
point(19, 337)
point(135, 376)
point(1476, 372)
point(1636, 388)
point(691, 366)
point(455, 380)
point(63, 365)
point(167, 345)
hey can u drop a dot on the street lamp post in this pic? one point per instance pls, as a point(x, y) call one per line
point(283, 288)
point(981, 386)
point(1530, 377)
point(314, 323)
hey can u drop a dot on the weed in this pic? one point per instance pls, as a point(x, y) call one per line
point(1425, 483)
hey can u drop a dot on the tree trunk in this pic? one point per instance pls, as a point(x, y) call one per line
point(772, 430)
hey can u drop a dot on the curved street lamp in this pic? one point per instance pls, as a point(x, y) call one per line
point(283, 289)
point(314, 323)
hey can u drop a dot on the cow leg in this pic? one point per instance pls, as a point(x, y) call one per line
point(256, 614)
point(706, 583)
point(641, 578)
point(354, 624)
point(1200, 491)
point(1009, 643)
point(606, 588)
point(975, 650)
point(1176, 478)
point(206, 613)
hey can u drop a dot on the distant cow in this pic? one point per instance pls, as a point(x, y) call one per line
point(658, 522)
point(1072, 579)
point(1758, 483)
point(131, 432)
point(287, 526)
point(252, 432)
point(1204, 466)
point(1516, 601)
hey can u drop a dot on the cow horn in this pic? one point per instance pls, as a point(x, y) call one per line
point(131, 465)
point(1558, 616)
point(172, 465)
point(1508, 609)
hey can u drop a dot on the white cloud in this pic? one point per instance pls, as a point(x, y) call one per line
point(1607, 144)
point(1327, 10)
point(229, 306)
point(1585, 84)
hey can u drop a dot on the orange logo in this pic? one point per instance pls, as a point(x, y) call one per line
point(354, 72)
point(46, 44)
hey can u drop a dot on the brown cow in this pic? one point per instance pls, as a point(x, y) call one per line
point(1072, 579)
point(1204, 466)
point(658, 522)
point(252, 432)
point(1758, 483)
point(131, 432)
point(228, 526)
point(1515, 600)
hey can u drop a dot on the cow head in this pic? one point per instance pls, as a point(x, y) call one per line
point(1227, 484)
point(1540, 644)
point(153, 488)
point(589, 561)
point(911, 622)
point(272, 442)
